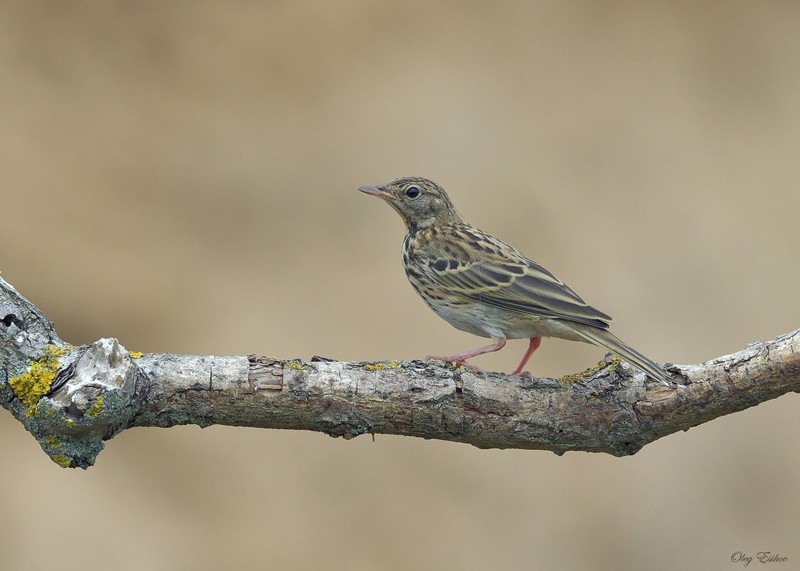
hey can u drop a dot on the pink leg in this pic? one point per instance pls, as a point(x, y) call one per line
point(461, 358)
point(535, 342)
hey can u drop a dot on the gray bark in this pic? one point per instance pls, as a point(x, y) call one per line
point(72, 399)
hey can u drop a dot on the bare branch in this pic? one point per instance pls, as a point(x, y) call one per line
point(74, 398)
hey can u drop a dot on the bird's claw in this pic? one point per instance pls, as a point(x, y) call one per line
point(456, 362)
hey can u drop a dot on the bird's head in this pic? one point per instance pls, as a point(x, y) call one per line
point(419, 201)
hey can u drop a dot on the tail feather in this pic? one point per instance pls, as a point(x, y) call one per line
point(607, 340)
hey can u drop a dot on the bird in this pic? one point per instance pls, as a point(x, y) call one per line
point(484, 286)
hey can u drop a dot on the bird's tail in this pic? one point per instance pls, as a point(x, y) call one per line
point(606, 339)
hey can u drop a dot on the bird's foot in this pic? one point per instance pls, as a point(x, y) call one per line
point(533, 346)
point(460, 360)
point(455, 360)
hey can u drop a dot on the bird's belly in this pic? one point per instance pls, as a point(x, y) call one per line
point(498, 323)
point(467, 319)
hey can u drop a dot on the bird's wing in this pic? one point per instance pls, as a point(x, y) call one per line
point(497, 274)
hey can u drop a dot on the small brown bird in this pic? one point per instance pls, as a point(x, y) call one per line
point(482, 285)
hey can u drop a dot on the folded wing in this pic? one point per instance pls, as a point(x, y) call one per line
point(517, 285)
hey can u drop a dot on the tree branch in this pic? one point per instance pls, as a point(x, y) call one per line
point(74, 398)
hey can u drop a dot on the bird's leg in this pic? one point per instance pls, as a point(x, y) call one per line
point(535, 342)
point(461, 358)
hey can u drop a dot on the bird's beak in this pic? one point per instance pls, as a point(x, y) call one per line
point(379, 191)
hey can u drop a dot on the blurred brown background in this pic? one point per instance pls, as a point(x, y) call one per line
point(182, 176)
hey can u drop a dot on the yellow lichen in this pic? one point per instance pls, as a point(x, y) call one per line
point(52, 442)
point(295, 364)
point(135, 354)
point(96, 408)
point(381, 366)
point(33, 384)
point(62, 460)
point(569, 379)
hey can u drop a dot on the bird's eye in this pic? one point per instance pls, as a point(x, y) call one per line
point(413, 191)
